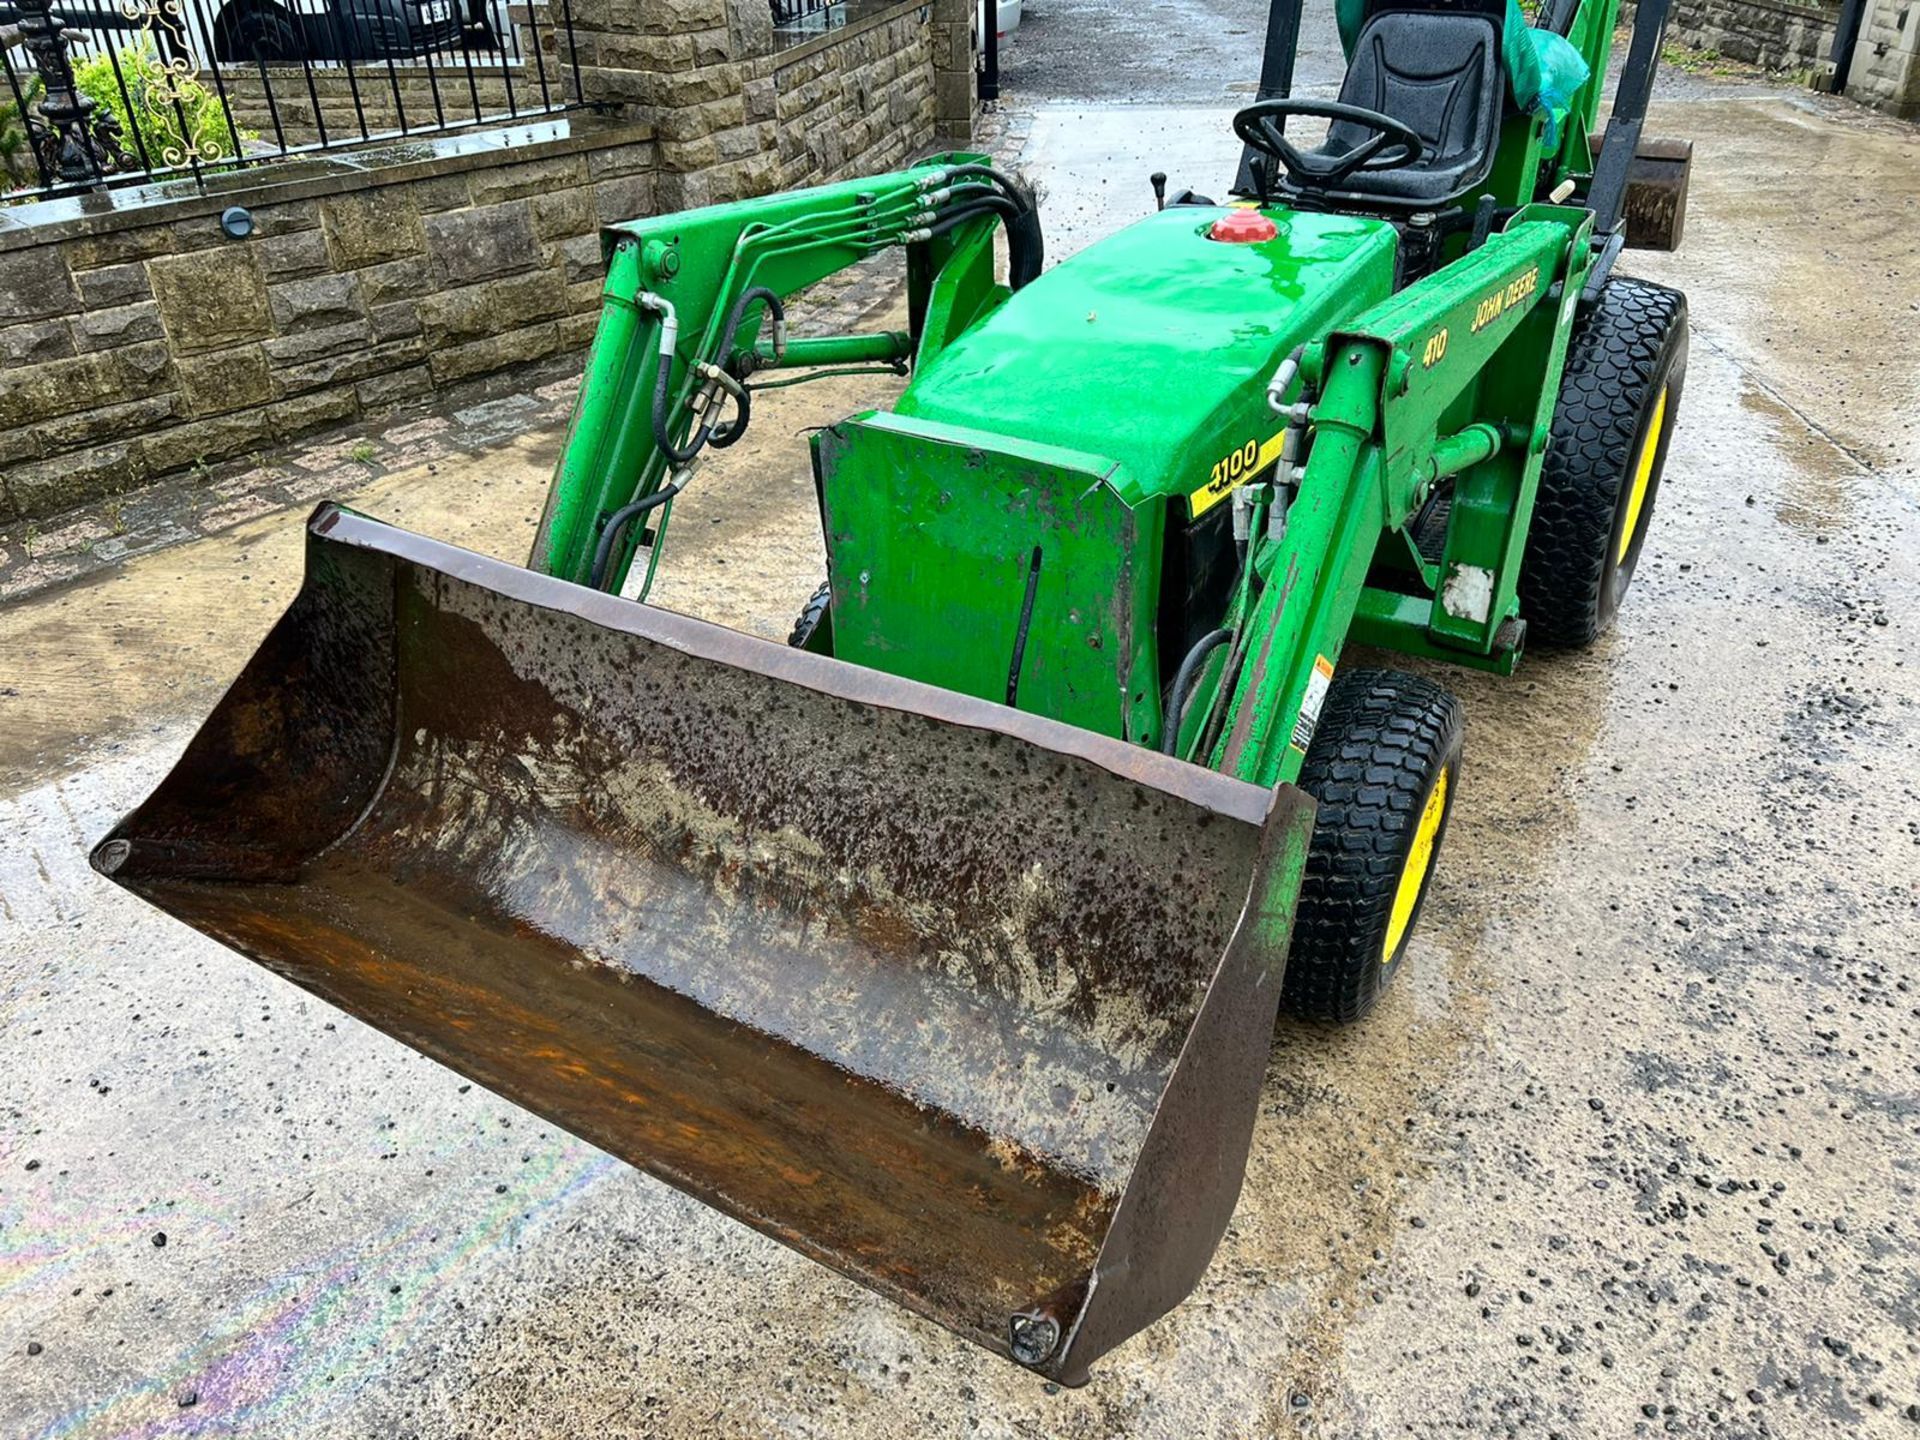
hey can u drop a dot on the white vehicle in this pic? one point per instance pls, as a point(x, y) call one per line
point(1006, 18)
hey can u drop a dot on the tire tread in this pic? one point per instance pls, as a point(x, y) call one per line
point(1614, 359)
point(1382, 737)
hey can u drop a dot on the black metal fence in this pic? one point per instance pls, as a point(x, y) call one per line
point(97, 93)
point(809, 15)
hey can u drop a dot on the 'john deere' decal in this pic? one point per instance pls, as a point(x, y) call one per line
point(1492, 307)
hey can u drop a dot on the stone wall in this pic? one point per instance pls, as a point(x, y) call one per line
point(1774, 34)
point(862, 104)
point(137, 339)
point(1883, 71)
point(727, 91)
point(143, 341)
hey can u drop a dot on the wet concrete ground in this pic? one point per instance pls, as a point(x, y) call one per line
point(1631, 1150)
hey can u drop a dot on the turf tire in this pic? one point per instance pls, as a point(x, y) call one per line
point(810, 616)
point(1624, 352)
point(1383, 741)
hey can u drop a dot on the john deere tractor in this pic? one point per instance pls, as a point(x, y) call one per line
point(946, 943)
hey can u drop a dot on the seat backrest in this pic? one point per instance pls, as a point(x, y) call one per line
point(1438, 70)
point(1438, 73)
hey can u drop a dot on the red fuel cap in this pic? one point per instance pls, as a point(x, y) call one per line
point(1242, 227)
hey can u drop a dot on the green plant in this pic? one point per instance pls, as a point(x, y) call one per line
point(30, 538)
point(151, 100)
point(16, 142)
point(1689, 58)
point(115, 517)
point(362, 451)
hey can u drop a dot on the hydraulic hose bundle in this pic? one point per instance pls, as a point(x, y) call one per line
point(1259, 520)
point(976, 190)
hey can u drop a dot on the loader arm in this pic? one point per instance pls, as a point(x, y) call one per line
point(702, 285)
point(1453, 376)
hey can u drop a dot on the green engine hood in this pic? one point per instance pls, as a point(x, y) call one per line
point(1153, 347)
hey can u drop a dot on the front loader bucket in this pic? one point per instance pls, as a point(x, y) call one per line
point(970, 1005)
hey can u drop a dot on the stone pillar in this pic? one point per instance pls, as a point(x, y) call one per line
point(694, 67)
point(954, 95)
point(1886, 62)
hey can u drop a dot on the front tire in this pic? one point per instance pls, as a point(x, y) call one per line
point(1384, 765)
point(812, 629)
point(1619, 394)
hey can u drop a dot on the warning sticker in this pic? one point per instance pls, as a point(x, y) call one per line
point(1309, 718)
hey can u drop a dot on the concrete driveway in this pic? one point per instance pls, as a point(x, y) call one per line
point(1632, 1149)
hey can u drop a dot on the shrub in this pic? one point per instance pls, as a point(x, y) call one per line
point(16, 141)
point(151, 90)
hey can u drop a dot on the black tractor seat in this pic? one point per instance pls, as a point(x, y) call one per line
point(1439, 72)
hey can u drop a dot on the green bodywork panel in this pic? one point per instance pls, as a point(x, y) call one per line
point(933, 536)
point(1153, 347)
point(1062, 424)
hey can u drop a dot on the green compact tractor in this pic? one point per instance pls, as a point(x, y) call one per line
point(945, 944)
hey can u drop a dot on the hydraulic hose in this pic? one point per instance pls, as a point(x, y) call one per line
point(663, 370)
point(1183, 683)
point(723, 436)
point(669, 337)
point(1026, 249)
point(966, 207)
point(618, 521)
point(1012, 184)
point(677, 454)
point(955, 216)
point(1222, 698)
point(737, 316)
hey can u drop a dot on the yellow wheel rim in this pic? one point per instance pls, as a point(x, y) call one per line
point(1642, 477)
point(1419, 860)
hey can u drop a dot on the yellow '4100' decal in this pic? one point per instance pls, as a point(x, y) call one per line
point(1233, 470)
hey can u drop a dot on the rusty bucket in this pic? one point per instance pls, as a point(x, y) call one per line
point(972, 1006)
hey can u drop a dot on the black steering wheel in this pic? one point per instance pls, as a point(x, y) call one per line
point(1391, 146)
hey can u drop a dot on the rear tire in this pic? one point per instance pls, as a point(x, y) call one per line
point(1384, 765)
point(1619, 394)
